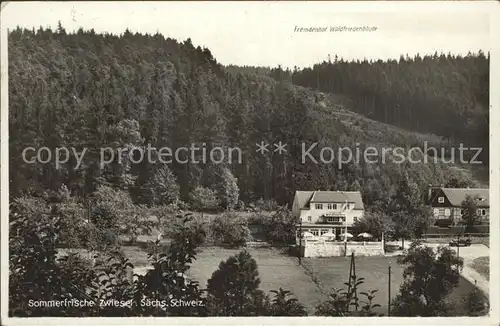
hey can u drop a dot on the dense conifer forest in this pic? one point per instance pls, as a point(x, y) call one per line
point(89, 90)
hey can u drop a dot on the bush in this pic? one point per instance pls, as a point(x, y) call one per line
point(280, 226)
point(267, 205)
point(229, 229)
point(203, 199)
point(476, 303)
point(73, 224)
point(108, 206)
point(114, 211)
point(257, 218)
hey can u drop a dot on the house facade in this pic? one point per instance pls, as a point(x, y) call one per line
point(323, 212)
point(446, 203)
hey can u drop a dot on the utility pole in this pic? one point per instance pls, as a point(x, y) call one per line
point(345, 231)
point(389, 296)
point(355, 280)
point(300, 242)
point(350, 281)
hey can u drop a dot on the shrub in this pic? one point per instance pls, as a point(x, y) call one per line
point(229, 229)
point(258, 218)
point(280, 226)
point(203, 199)
point(476, 303)
point(73, 224)
point(136, 222)
point(265, 205)
point(108, 206)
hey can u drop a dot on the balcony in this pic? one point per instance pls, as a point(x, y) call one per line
point(332, 218)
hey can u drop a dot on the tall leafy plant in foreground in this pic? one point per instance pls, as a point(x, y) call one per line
point(36, 272)
point(345, 303)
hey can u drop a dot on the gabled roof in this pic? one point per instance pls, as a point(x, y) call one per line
point(457, 195)
point(303, 198)
point(307, 197)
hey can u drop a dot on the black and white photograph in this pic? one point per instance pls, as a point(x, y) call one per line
point(248, 159)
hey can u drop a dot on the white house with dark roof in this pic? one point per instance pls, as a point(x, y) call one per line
point(446, 203)
point(322, 212)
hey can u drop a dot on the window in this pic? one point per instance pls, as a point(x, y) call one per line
point(483, 212)
point(355, 219)
point(436, 212)
point(446, 212)
point(309, 219)
point(478, 212)
point(318, 206)
point(323, 231)
point(331, 206)
point(314, 232)
point(441, 213)
point(462, 211)
point(441, 200)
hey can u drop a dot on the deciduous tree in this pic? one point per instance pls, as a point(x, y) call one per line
point(429, 276)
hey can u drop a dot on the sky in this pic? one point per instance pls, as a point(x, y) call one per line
point(262, 33)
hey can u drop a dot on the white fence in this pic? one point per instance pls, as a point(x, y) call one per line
point(322, 248)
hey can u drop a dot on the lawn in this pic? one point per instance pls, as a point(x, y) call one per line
point(312, 282)
point(276, 269)
point(482, 266)
point(333, 272)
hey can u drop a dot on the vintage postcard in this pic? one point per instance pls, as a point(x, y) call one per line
point(294, 162)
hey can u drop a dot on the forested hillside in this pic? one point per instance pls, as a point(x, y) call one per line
point(443, 94)
point(87, 90)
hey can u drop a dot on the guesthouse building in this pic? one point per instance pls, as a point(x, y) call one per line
point(322, 212)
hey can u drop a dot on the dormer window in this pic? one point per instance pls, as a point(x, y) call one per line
point(441, 200)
